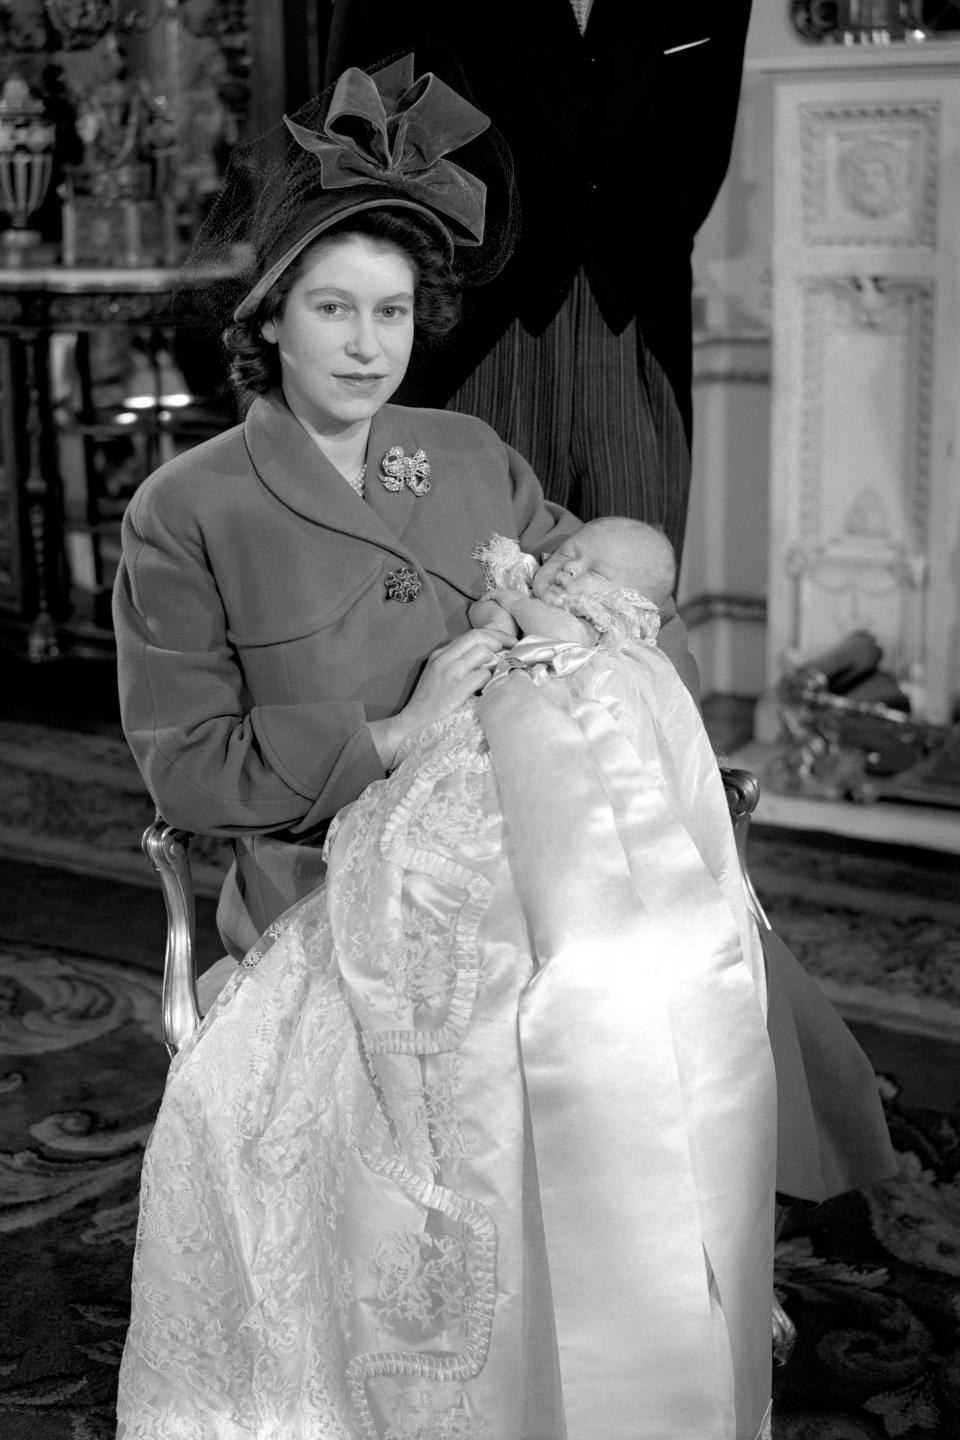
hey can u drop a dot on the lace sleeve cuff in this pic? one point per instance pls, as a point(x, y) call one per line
point(505, 565)
point(620, 617)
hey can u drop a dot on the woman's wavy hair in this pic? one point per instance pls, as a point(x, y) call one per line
point(254, 363)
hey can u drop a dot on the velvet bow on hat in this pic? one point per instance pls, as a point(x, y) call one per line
point(383, 143)
point(388, 128)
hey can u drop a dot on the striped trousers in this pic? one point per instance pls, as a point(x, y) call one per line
point(592, 412)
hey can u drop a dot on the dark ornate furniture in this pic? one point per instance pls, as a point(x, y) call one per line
point(101, 378)
point(116, 121)
point(847, 732)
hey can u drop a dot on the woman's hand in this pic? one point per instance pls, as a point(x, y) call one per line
point(451, 675)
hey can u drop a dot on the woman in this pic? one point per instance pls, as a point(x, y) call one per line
point(292, 605)
point(291, 609)
point(273, 624)
point(358, 1214)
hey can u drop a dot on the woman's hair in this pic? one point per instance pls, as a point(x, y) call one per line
point(254, 364)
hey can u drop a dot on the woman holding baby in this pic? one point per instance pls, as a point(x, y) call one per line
point(434, 1165)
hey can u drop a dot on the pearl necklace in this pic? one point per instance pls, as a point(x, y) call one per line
point(357, 482)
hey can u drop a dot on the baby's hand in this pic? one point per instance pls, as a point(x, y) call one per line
point(487, 614)
point(506, 598)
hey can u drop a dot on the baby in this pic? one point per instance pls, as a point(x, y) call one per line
point(627, 565)
point(528, 977)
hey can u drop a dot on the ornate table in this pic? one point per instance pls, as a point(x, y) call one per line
point(104, 373)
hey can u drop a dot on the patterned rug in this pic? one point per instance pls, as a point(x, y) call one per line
point(878, 925)
point(872, 1282)
point(871, 1279)
point(76, 800)
point(81, 1075)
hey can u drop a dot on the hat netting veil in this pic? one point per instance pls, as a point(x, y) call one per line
point(272, 181)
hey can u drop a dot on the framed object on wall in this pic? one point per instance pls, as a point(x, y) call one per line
point(874, 21)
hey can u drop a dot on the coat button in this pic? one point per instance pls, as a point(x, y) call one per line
point(403, 585)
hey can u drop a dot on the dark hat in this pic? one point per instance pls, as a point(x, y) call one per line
point(377, 139)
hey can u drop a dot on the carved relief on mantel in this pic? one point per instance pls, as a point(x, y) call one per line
point(864, 492)
point(865, 404)
point(866, 581)
point(869, 174)
point(859, 529)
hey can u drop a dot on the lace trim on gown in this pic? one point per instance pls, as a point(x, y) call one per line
point(623, 618)
point(318, 1256)
point(505, 565)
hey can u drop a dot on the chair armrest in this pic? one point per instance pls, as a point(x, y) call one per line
point(167, 850)
point(742, 789)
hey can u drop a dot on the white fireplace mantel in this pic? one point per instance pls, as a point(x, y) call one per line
point(825, 60)
point(864, 529)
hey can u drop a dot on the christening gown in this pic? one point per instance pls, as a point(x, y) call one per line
point(479, 1141)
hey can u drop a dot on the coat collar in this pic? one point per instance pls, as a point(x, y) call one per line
point(296, 471)
point(435, 527)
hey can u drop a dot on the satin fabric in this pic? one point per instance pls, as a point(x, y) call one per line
point(648, 1073)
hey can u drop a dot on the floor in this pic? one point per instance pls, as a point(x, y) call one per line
point(929, 827)
point(729, 721)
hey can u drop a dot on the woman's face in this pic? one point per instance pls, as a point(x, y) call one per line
point(345, 333)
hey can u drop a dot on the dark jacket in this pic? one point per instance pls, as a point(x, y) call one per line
point(620, 137)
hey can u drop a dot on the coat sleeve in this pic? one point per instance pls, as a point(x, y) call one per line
point(672, 639)
point(211, 762)
point(541, 525)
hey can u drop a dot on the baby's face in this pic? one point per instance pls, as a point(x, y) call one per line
point(589, 561)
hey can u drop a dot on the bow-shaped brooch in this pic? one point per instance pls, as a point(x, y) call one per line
point(387, 128)
point(397, 470)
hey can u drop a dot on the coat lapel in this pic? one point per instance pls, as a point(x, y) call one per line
point(431, 533)
point(428, 525)
point(396, 508)
point(295, 470)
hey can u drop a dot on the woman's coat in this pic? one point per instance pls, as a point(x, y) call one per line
point(256, 635)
